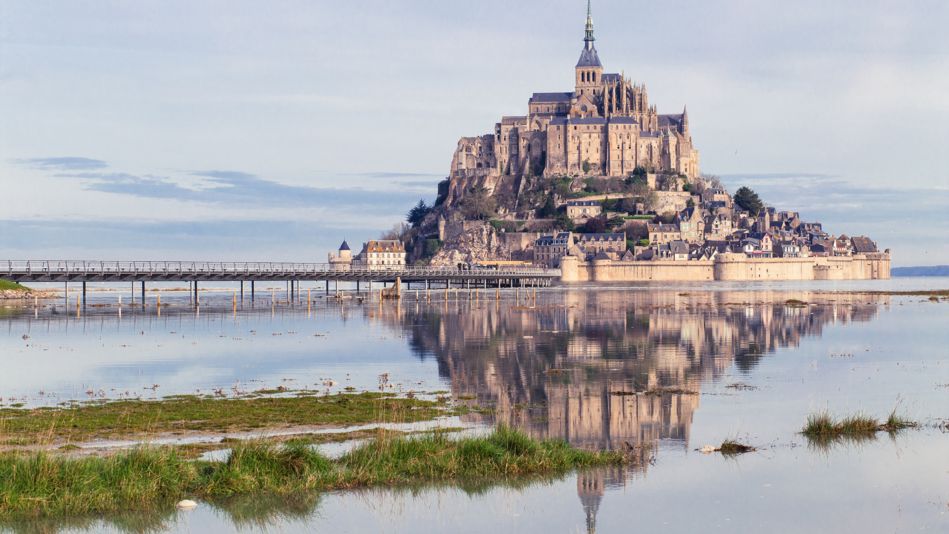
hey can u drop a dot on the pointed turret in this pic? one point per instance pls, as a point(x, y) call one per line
point(588, 38)
point(685, 119)
point(589, 57)
point(589, 70)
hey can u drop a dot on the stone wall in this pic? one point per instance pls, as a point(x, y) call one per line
point(729, 267)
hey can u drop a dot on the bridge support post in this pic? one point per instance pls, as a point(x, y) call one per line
point(370, 290)
point(143, 293)
point(252, 291)
point(196, 301)
point(242, 291)
point(83, 294)
point(133, 292)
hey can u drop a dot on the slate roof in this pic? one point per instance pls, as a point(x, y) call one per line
point(551, 97)
point(589, 58)
point(623, 120)
point(679, 247)
point(612, 77)
point(661, 227)
point(384, 245)
point(344, 246)
point(588, 120)
point(602, 237)
point(863, 245)
point(670, 120)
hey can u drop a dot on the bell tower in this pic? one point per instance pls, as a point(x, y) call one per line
point(589, 71)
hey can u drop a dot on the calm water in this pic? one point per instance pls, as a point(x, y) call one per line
point(734, 362)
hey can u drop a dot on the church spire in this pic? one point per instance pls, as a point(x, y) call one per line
point(588, 38)
point(589, 57)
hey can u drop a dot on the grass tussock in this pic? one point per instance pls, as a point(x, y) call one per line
point(795, 303)
point(731, 447)
point(41, 485)
point(8, 285)
point(134, 418)
point(822, 428)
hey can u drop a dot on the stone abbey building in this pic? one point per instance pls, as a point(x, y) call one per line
point(604, 127)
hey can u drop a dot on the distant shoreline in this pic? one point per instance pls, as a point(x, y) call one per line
point(928, 270)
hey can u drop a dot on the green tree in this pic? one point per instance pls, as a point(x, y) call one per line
point(549, 209)
point(596, 225)
point(565, 223)
point(417, 214)
point(586, 167)
point(748, 200)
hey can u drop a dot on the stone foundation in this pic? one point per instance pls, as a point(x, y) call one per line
point(729, 267)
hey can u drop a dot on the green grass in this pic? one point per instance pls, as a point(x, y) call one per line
point(136, 418)
point(896, 423)
point(822, 429)
point(7, 285)
point(43, 485)
point(730, 447)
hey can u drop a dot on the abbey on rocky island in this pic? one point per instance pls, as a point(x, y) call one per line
point(604, 127)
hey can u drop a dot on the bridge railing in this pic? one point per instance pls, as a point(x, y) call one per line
point(249, 269)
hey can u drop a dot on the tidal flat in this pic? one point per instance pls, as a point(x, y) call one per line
point(663, 371)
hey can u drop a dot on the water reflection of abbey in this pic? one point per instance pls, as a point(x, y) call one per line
point(554, 370)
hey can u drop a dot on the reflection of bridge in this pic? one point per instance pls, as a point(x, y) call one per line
point(199, 271)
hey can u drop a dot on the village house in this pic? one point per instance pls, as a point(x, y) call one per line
point(549, 249)
point(842, 246)
point(613, 244)
point(787, 249)
point(382, 254)
point(581, 210)
point(863, 245)
point(660, 233)
point(691, 225)
point(675, 250)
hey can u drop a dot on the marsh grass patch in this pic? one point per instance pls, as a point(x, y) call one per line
point(822, 429)
point(40, 485)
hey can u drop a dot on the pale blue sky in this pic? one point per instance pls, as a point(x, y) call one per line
point(271, 130)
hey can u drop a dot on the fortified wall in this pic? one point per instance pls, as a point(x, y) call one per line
point(729, 267)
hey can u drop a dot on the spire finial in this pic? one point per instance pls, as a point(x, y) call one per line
point(589, 28)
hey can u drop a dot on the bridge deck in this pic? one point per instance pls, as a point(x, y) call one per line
point(196, 271)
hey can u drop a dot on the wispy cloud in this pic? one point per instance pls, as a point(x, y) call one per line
point(66, 163)
point(238, 188)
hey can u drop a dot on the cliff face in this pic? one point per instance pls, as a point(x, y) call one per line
point(467, 242)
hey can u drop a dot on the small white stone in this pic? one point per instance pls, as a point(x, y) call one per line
point(708, 449)
point(187, 504)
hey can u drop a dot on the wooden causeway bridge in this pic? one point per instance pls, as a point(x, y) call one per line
point(193, 272)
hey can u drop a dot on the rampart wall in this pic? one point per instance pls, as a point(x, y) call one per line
point(729, 267)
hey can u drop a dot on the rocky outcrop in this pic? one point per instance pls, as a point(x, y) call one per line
point(24, 294)
point(468, 242)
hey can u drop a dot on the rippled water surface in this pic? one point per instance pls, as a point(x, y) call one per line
point(673, 367)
